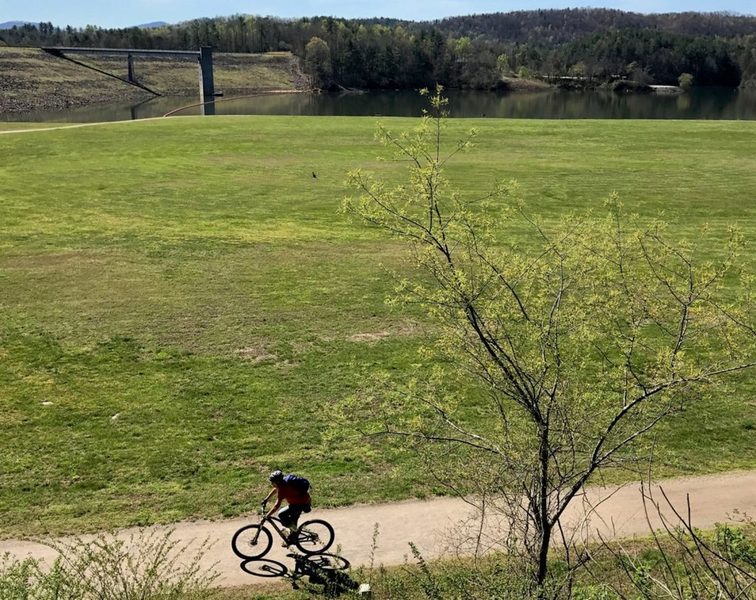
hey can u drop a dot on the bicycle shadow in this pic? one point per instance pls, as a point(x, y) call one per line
point(325, 573)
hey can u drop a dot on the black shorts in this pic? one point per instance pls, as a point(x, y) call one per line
point(290, 515)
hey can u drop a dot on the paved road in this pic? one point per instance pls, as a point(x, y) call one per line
point(713, 499)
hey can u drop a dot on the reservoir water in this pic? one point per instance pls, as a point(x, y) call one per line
point(702, 103)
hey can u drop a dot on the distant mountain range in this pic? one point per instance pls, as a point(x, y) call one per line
point(12, 24)
point(152, 25)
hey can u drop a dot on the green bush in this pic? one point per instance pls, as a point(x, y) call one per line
point(146, 566)
point(27, 580)
point(734, 544)
point(497, 576)
point(685, 81)
point(594, 592)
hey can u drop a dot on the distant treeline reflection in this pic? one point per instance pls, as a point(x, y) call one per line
point(702, 103)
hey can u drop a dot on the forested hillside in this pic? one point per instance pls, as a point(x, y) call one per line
point(558, 26)
point(474, 51)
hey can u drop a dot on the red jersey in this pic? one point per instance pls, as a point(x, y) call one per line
point(292, 495)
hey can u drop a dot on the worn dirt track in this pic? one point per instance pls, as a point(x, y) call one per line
point(427, 522)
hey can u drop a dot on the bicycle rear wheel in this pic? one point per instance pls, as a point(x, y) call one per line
point(251, 542)
point(328, 562)
point(314, 537)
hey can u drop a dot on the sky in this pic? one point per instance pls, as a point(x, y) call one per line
point(124, 13)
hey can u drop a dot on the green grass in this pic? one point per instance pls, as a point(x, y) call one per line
point(180, 302)
point(280, 591)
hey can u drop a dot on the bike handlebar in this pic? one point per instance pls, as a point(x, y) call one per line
point(264, 513)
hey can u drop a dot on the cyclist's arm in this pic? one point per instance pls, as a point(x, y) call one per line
point(273, 491)
point(277, 505)
point(275, 508)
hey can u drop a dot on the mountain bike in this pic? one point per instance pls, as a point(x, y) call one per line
point(255, 541)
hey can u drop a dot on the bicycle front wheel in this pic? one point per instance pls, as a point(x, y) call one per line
point(314, 536)
point(252, 541)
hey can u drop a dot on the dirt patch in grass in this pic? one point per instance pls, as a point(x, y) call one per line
point(373, 337)
point(369, 338)
point(256, 354)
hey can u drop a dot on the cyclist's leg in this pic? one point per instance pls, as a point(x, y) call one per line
point(300, 508)
point(289, 517)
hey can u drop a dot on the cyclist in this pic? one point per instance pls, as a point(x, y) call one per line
point(295, 490)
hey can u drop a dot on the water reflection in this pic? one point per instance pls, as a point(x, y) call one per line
point(152, 107)
point(708, 103)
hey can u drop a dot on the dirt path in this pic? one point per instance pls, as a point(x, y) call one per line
point(713, 499)
point(42, 126)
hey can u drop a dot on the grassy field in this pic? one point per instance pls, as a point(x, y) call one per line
point(33, 80)
point(180, 301)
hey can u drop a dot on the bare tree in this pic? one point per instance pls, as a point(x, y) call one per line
point(572, 340)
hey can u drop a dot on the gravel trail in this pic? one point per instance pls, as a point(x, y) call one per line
point(427, 522)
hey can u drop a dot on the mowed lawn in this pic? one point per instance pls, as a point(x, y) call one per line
point(181, 304)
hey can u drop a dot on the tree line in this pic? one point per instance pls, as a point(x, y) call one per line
point(466, 52)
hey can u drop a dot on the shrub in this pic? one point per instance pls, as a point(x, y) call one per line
point(145, 566)
point(594, 592)
point(685, 81)
point(683, 562)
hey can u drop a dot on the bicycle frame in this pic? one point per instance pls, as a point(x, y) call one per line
point(272, 521)
point(311, 537)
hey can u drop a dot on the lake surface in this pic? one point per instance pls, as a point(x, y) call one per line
point(705, 103)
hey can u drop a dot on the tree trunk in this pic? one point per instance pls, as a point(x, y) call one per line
point(544, 523)
point(543, 558)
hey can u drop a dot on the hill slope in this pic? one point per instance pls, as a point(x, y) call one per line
point(31, 79)
point(570, 24)
point(182, 305)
